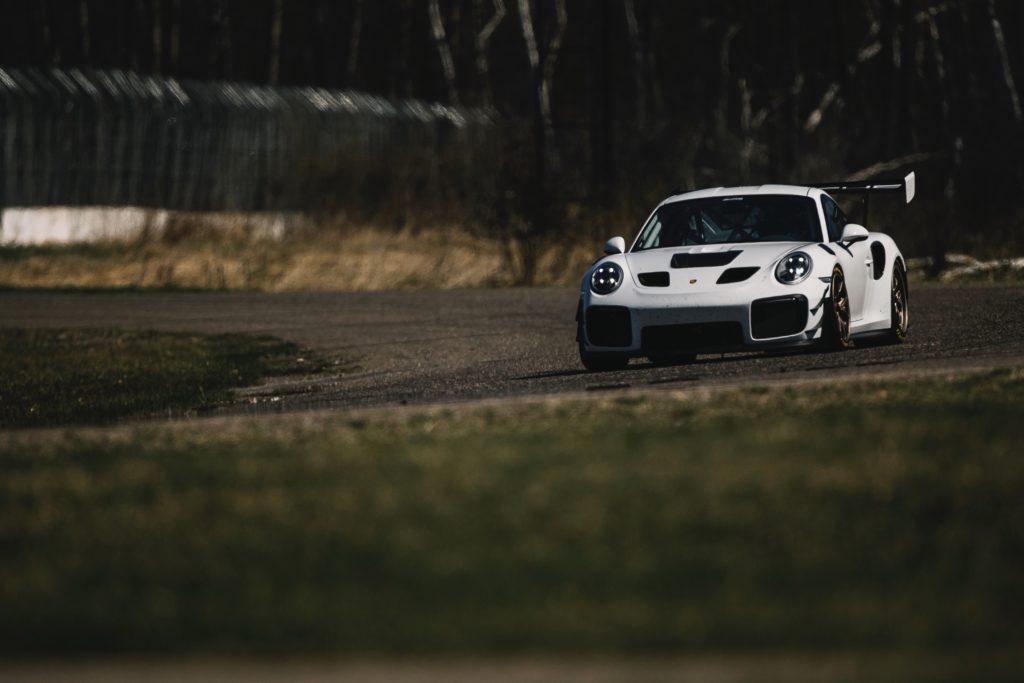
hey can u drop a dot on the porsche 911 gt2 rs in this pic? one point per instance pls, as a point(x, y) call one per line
point(743, 268)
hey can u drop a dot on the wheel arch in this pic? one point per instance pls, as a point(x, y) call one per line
point(898, 262)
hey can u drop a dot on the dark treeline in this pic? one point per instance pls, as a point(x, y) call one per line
point(609, 104)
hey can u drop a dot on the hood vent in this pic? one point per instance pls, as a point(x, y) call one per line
point(714, 259)
point(659, 279)
point(732, 275)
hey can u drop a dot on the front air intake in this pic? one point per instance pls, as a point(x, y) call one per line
point(609, 326)
point(736, 275)
point(712, 260)
point(658, 279)
point(778, 317)
point(691, 336)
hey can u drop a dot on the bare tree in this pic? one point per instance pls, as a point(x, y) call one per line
point(83, 19)
point(443, 50)
point(158, 30)
point(483, 38)
point(750, 127)
point(997, 33)
point(940, 62)
point(640, 101)
point(550, 59)
point(175, 35)
point(890, 165)
point(221, 44)
point(52, 49)
point(526, 21)
point(894, 27)
point(545, 71)
point(869, 48)
point(407, 41)
point(353, 44)
point(725, 70)
point(276, 24)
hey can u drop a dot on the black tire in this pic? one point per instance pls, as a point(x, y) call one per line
point(836, 333)
point(672, 358)
point(899, 306)
point(602, 362)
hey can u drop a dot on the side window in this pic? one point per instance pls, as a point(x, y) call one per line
point(835, 220)
point(841, 219)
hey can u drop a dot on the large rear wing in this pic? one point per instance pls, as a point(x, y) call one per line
point(866, 188)
point(907, 185)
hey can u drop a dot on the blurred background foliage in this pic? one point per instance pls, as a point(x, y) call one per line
point(599, 108)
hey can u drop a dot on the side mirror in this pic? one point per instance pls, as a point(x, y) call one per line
point(854, 233)
point(617, 245)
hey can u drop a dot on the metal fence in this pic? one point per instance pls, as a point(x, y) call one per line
point(112, 138)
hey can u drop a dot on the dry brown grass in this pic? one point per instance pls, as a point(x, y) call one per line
point(357, 259)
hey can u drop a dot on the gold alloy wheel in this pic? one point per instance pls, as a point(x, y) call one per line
point(840, 308)
point(900, 305)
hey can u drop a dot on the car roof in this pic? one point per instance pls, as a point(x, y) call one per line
point(794, 190)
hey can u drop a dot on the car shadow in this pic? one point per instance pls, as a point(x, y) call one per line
point(706, 361)
point(553, 374)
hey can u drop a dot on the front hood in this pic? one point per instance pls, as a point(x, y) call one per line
point(705, 263)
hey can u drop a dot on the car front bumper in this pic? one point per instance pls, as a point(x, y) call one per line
point(635, 322)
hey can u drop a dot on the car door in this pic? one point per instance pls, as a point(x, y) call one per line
point(855, 257)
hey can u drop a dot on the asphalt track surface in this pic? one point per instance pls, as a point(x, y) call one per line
point(427, 347)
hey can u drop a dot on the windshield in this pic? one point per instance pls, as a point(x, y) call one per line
point(720, 220)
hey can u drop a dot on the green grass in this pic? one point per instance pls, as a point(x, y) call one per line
point(868, 519)
point(59, 377)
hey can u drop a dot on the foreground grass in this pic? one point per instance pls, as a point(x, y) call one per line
point(58, 377)
point(876, 518)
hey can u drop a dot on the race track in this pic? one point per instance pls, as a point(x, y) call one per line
point(403, 348)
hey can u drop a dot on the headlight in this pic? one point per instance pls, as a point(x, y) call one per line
point(606, 279)
point(794, 268)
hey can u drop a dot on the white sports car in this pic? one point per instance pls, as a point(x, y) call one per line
point(744, 268)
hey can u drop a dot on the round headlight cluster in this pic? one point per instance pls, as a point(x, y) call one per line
point(794, 268)
point(606, 278)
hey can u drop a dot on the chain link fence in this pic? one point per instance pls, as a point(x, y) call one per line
point(115, 138)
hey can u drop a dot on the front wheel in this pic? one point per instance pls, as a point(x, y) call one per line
point(836, 333)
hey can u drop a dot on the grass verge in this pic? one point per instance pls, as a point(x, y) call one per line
point(59, 377)
point(354, 260)
point(876, 518)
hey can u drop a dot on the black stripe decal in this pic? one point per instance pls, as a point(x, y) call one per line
point(821, 303)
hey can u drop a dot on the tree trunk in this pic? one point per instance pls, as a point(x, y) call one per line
point(640, 101)
point(443, 51)
point(83, 20)
point(483, 38)
point(158, 36)
point(1004, 59)
point(175, 37)
point(353, 44)
point(276, 24)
